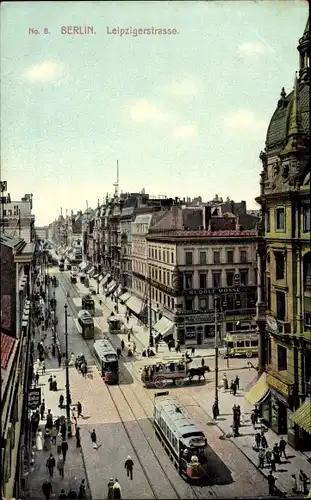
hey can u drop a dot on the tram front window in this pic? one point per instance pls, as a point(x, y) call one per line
point(111, 366)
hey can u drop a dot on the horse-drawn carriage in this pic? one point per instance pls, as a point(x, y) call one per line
point(175, 370)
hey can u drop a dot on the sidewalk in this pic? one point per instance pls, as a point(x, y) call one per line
point(74, 470)
point(296, 460)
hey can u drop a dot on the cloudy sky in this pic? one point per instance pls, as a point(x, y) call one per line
point(185, 114)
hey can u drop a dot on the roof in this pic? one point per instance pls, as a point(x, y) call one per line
point(189, 235)
point(16, 244)
point(104, 349)
point(182, 422)
point(7, 344)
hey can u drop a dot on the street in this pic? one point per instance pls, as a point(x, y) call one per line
point(121, 417)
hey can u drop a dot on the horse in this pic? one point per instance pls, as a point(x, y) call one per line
point(198, 371)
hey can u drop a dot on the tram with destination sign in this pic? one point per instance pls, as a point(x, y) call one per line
point(86, 323)
point(181, 437)
point(88, 304)
point(108, 360)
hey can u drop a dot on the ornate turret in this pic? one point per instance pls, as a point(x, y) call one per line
point(304, 55)
point(295, 136)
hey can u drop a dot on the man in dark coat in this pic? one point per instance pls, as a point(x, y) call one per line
point(49, 420)
point(42, 409)
point(271, 483)
point(79, 408)
point(47, 489)
point(129, 464)
point(50, 463)
point(64, 449)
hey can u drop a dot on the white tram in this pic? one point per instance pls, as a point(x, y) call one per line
point(182, 438)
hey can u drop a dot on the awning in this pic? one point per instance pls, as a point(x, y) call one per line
point(91, 271)
point(164, 326)
point(134, 303)
point(105, 279)
point(95, 276)
point(100, 277)
point(302, 416)
point(83, 266)
point(111, 287)
point(259, 392)
point(125, 296)
point(118, 291)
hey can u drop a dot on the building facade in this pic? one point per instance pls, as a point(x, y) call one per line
point(16, 218)
point(285, 260)
point(189, 266)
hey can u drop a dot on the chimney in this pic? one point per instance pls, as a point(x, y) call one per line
point(232, 206)
point(206, 217)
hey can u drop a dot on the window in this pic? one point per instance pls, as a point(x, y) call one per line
point(216, 257)
point(268, 220)
point(243, 256)
point(156, 254)
point(168, 278)
point(168, 301)
point(202, 258)
point(240, 344)
point(188, 281)
point(282, 358)
point(188, 258)
point(280, 219)
point(209, 331)
point(216, 279)
point(230, 256)
point(306, 220)
point(202, 280)
point(229, 327)
point(203, 304)
point(167, 256)
point(230, 278)
point(160, 254)
point(237, 302)
point(280, 306)
point(160, 275)
point(189, 304)
point(172, 257)
point(173, 303)
point(279, 264)
point(156, 273)
point(244, 277)
point(156, 295)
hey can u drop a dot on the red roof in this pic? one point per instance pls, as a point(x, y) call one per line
point(6, 347)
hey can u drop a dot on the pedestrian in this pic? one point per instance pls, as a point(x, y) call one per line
point(237, 382)
point(264, 442)
point(261, 459)
point(192, 350)
point(58, 443)
point(37, 377)
point(82, 490)
point(79, 408)
point(47, 489)
point(253, 419)
point(63, 430)
point(42, 409)
point(83, 369)
point(119, 353)
point(276, 453)
point(234, 388)
point(94, 439)
point(62, 495)
point(49, 420)
point(57, 424)
point(100, 302)
point(238, 415)
point(60, 465)
point(122, 345)
point(268, 456)
point(50, 381)
point(157, 347)
point(50, 463)
point(64, 447)
point(215, 411)
point(282, 446)
point(110, 488)
point(231, 386)
point(117, 489)
point(169, 345)
point(225, 382)
point(272, 463)
point(54, 434)
point(256, 412)
point(54, 384)
point(271, 483)
point(257, 440)
point(129, 336)
point(202, 362)
point(294, 484)
point(129, 464)
point(47, 440)
point(303, 480)
point(59, 359)
point(134, 347)
point(72, 494)
point(78, 437)
point(61, 401)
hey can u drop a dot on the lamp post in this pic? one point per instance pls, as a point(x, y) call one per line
point(216, 403)
point(54, 315)
point(68, 397)
point(150, 312)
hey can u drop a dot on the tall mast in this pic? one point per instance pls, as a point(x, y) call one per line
point(116, 184)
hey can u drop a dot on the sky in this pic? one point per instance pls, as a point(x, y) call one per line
point(184, 114)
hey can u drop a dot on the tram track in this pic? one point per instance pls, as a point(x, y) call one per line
point(112, 396)
point(197, 492)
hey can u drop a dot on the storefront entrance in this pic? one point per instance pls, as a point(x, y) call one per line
point(282, 418)
point(278, 414)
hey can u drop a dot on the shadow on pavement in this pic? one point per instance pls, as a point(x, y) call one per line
point(218, 472)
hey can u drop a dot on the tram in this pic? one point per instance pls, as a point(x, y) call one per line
point(88, 304)
point(108, 359)
point(86, 324)
point(61, 264)
point(73, 277)
point(181, 437)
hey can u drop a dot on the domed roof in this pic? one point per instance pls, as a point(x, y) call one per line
point(277, 130)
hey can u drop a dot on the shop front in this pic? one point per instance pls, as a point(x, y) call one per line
point(195, 329)
point(280, 410)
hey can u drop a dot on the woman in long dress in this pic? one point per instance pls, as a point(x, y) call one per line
point(47, 440)
point(39, 443)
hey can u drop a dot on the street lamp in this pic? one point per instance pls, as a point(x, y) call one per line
point(68, 397)
point(216, 403)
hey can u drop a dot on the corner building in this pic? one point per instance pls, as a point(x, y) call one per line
point(285, 261)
